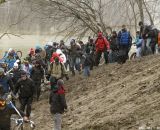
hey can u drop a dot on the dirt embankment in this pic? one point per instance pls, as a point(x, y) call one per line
point(115, 97)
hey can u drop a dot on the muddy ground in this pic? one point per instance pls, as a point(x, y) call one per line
point(115, 97)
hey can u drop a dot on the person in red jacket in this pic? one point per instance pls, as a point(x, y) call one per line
point(54, 55)
point(102, 46)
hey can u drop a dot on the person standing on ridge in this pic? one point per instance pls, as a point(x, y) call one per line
point(102, 46)
point(125, 42)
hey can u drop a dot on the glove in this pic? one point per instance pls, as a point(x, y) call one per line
point(9, 97)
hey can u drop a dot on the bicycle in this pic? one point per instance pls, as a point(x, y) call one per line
point(20, 124)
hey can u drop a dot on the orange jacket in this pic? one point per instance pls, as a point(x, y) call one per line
point(101, 43)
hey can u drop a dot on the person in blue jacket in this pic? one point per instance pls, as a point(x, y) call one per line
point(6, 82)
point(10, 59)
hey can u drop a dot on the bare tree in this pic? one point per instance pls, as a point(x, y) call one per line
point(84, 17)
point(80, 17)
point(76, 17)
point(144, 8)
point(14, 21)
point(140, 6)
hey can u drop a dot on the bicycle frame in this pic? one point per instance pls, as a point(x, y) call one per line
point(21, 120)
point(19, 124)
point(15, 109)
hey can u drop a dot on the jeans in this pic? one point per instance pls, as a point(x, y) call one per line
point(148, 46)
point(57, 121)
point(157, 49)
point(138, 52)
point(75, 62)
point(112, 56)
point(86, 71)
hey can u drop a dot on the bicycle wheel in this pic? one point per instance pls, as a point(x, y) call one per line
point(19, 54)
point(133, 56)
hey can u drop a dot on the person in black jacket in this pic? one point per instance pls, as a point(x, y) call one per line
point(6, 111)
point(150, 38)
point(152, 34)
point(91, 47)
point(37, 74)
point(25, 87)
point(114, 47)
point(58, 103)
point(16, 73)
point(75, 54)
point(87, 62)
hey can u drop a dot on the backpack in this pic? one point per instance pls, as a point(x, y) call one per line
point(62, 68)
point(101, 43)
point(124, 38)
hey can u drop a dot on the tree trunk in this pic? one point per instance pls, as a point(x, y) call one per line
point(149, 14)
point(140, 6)
point(132, 3)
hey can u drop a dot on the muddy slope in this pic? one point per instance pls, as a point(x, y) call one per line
point(115, 97)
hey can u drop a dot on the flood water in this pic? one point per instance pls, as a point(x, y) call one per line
point(25, 42)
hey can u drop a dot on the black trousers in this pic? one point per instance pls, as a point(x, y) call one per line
point(5, 128)
point(37, 89)
point(26, 102)
point(123, 54)
point(98, 56)
point(153, 47)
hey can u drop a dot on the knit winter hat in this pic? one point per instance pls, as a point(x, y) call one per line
point(60, 82)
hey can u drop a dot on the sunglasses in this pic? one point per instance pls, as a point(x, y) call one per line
point(2, 103)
